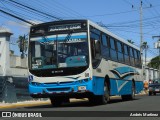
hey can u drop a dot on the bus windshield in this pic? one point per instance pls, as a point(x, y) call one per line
point(59, 51)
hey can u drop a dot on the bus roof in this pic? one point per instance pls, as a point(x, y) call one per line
point(94, 25)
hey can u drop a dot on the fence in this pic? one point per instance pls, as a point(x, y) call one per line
point(14, 89)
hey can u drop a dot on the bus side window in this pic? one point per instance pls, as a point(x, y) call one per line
point(105, 46)
point(126, 54)
point(120, 51)
point(95, 49)
point(139, 60)
point(113, 52)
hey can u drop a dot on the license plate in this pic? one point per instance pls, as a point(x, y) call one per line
point(156, 90)
point(82, 88)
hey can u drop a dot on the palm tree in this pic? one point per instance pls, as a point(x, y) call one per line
point(130, 41)
point(23, 44)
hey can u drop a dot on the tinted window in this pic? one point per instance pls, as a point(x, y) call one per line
point(95, 30)
point(131, 52)
point(105, 47)
point(112, 43)
point(104, 40)
point(135, 54)
point(119, 46)
point(138, 55)
point(95, 48)
point(113, 52)
point(125, 49)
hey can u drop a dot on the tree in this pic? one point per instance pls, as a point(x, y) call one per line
point(130, 41)
point(154, 63)
point(23, 44)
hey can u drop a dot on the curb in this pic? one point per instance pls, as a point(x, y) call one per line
point(35, 103)
point(28, 104)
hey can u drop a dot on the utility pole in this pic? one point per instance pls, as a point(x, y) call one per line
point(141, 37)
point(157, 46)
point(141, 30)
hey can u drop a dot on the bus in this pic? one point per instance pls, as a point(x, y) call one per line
point(80, 59)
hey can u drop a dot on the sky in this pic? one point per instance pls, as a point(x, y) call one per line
point(121, 17)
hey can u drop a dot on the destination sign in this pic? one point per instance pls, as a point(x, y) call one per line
point(64, 27)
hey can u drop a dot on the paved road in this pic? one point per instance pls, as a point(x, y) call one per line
point(141, 103)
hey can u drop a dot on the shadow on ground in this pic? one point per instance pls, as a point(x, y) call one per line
point(80, 104)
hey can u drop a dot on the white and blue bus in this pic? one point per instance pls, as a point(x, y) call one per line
point(80, 59)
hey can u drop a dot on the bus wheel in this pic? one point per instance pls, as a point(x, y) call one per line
point(56, 102)
point(150, 93)
point(131, 96)
point(92, 100)
point(103, 99)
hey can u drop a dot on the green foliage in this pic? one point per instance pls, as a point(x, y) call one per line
point(130, 41)
point(23, 44)
point(155, 62)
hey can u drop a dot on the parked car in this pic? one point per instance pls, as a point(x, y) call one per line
point(154, 87)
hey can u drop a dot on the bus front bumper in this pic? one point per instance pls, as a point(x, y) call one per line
point(73, 90)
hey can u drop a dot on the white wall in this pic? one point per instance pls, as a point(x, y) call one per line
point(4, 51)
point(18, 72)
point(17, 62)
point(10, 65)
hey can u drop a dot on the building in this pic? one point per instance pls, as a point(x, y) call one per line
point(13, 72)
point(150, 74)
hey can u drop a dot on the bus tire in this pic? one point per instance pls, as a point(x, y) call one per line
point(132, 95)
point(150, 93)
point(56, 102)
point(92, 100)
point(104, 99)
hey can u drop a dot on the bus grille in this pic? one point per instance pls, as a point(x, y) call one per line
point(60, 83)
point(58, 89)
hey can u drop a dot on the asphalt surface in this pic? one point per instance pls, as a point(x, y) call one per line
point(140, 104)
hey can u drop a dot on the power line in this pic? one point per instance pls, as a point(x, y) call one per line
point(16, 17)
point(69, 9)
point(127, 2)
point(35, 10)
point(21, 15)
point(23, 9)
point(45, 9)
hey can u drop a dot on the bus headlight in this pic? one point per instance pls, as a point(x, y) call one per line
point(30, 78)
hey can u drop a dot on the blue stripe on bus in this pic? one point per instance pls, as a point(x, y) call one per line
point(123, 70)
point(118, 87)
point(62, 38)
point(96, 86)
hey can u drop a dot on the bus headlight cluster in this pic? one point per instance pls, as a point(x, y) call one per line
point(82, 81)
point(35, 84)
point(30, 78)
